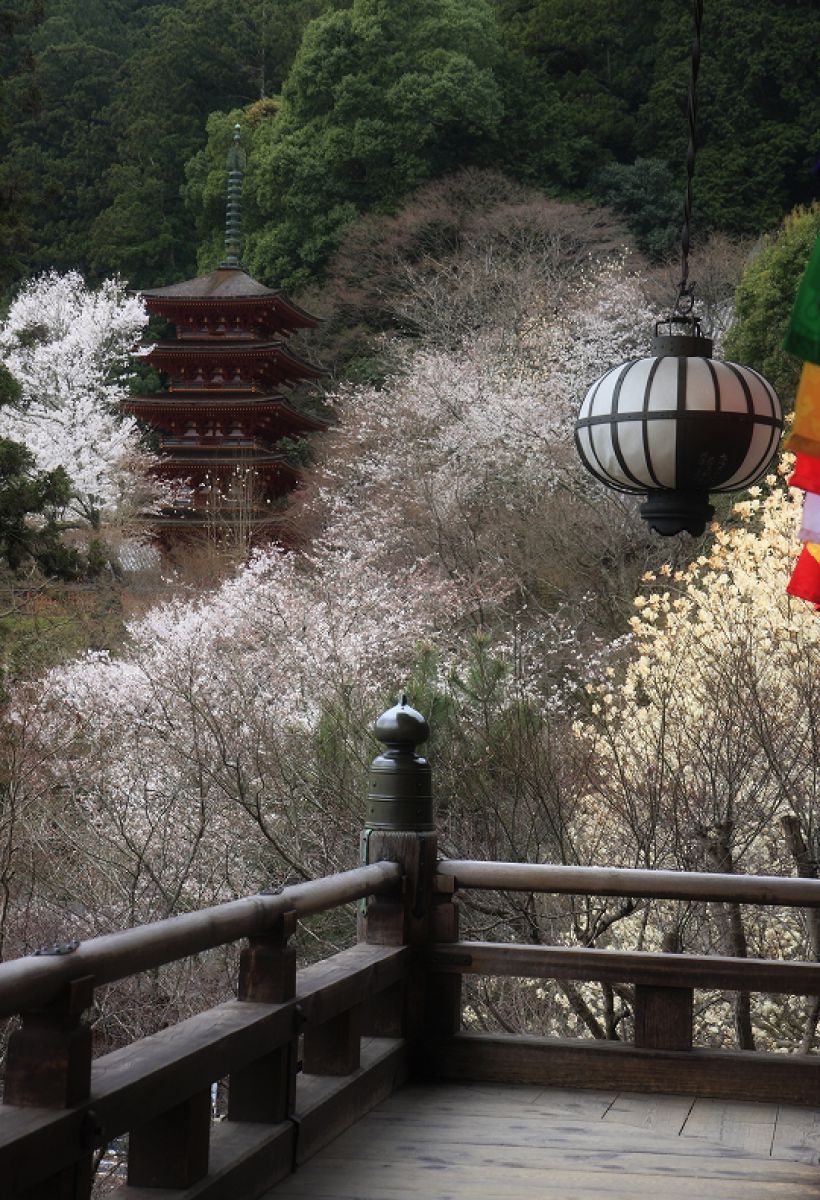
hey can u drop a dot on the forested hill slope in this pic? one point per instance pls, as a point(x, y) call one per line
point(105, 162)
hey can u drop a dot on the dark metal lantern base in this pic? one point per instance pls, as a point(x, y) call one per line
point(674, 512)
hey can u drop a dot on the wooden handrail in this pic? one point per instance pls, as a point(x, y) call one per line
point(37, 981)
point(616, 881)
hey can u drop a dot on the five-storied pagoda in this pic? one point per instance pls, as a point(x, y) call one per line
point(220, 416)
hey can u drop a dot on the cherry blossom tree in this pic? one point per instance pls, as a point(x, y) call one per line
point(466, 454)
point(70, 349)
point(449, 541)
point(227, 743)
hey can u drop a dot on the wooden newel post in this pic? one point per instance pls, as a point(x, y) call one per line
point(400, 828)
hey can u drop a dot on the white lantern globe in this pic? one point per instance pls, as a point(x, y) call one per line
point(676, 426)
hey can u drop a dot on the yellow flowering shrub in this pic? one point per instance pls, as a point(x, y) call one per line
point(705, 748)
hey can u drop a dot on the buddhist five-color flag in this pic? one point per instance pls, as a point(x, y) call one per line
point(803, 340)
point(805, 434)
point(810, 529)
point(805, 580)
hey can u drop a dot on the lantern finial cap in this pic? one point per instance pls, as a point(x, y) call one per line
point(688, 342)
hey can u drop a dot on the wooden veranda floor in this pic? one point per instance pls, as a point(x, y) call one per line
point(454, 1141)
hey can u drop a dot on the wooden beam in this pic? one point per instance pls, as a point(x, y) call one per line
point(48, 1064)
point(442, 1002)
point(393, 919)
point(384, 1012)
point(724, 1074)
point(140, 1081)
point(326, 1104)
point(245, 1161)
point(615, 881)
point(336, 984)
point(249, 1159)
point(333, 1048)
point(267, 965)
point(264, 1089)
point(663, 1017)
point(171, 1149)
point(616, 966)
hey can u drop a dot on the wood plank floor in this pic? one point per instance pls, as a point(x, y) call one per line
point(458, 1141)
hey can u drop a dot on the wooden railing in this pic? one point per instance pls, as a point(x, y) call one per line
point(306, 1052)
point(662, 1057)
point(60, 1107)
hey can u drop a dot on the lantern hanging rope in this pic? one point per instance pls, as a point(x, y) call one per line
point(685, 302)
point(679, 425)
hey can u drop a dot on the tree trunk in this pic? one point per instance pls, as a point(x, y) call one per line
point(717, 845)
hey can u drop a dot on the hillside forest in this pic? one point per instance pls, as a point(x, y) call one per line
point(113, 128)
point(481, 199)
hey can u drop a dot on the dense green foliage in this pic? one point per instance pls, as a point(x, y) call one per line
point(645, 195)
point(764, 300)
point(575, 76)
point(758, 107)
point(113, 116)
point(381, 96)
point(105, 103)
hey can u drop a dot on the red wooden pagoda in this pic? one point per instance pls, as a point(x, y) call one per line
point(220, 417)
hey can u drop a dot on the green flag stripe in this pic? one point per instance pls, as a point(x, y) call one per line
point(803, 335)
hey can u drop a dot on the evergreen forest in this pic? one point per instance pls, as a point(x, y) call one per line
point(115, 115)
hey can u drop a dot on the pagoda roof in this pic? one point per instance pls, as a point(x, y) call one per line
point(231, 284)
point(176, 456)
point(193, 351)
point(223, 402)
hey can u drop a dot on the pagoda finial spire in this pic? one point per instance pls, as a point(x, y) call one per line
point(233, 213)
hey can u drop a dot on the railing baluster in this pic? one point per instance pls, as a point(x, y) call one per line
point(171, 1151)
point(334, 1047)
point(49, 1066)
point(663, 1017)
point(443, 997)
point(384, 1012)
point(265, 1089)
point(49, 1057)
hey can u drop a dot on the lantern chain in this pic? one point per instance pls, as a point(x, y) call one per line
point(686, 290)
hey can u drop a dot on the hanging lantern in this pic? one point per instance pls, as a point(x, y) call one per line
point(676, 426)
